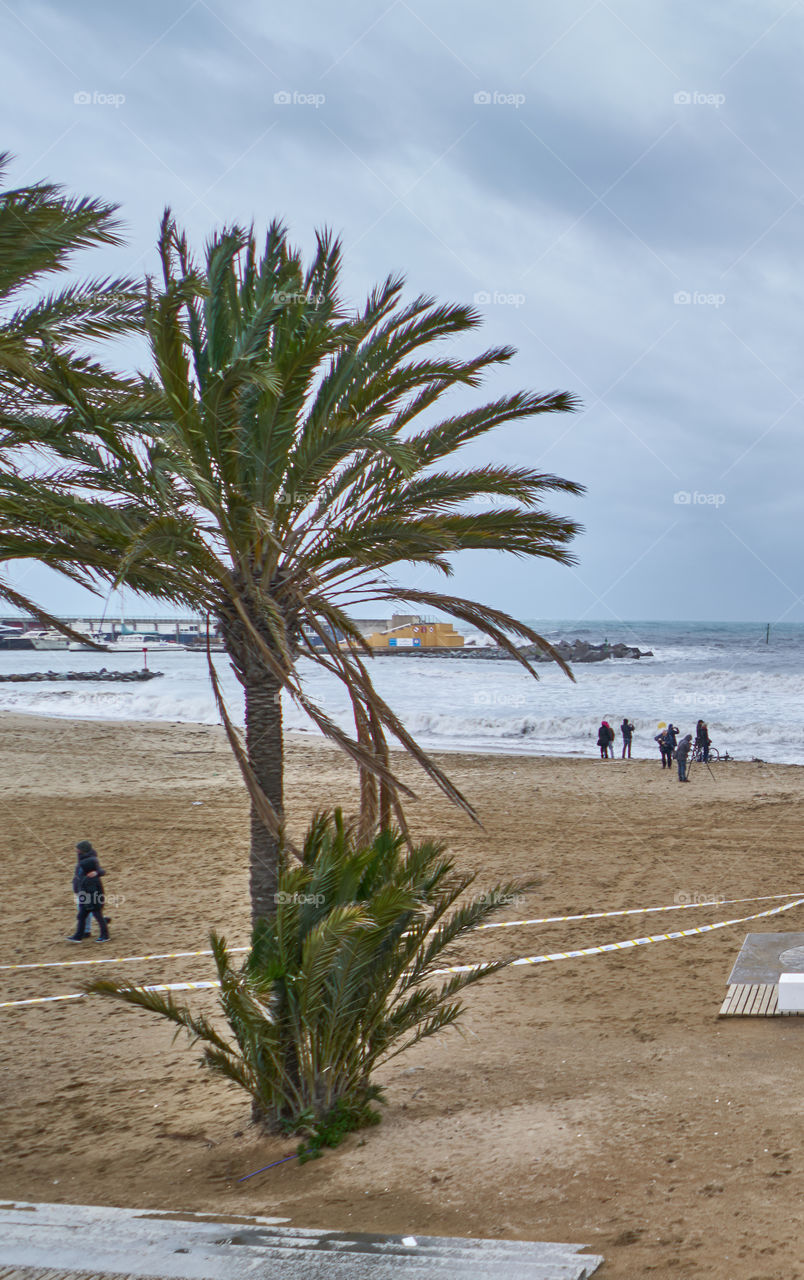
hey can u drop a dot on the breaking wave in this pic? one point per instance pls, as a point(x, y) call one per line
point(749, 693)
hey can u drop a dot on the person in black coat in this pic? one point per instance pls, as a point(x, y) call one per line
point(669, 748)
point(88, 886)
point(702, 740)
point(627, 730)
point(605, 738)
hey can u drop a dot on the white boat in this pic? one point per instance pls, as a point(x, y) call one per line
point(47, 639)
point(91, 635)
point(134, 642)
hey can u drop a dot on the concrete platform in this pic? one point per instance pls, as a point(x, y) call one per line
point(765, 956)
point(89, 1242)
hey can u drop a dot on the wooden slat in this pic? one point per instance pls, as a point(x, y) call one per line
point(757, 996)
point(732, 995)
point(753, 1000)
point(747, 1004)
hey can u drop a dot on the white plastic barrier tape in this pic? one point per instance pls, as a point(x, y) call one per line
point(163, 955)
point(467, 968)
point(636, 911)
point(498, 924)
point(79, 995)
point(630, 942)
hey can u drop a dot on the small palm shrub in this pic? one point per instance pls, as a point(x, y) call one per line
point(338, 981)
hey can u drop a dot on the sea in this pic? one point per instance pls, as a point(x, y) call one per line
point(746, 685)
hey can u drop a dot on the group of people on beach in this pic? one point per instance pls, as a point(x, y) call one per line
point(671, 747)
point(606, 736)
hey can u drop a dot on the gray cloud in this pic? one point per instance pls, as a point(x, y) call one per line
point(637, 249)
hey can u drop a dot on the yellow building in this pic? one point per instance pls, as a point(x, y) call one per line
point(417, 635)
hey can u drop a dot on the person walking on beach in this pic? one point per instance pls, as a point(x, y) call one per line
point(702, 740)
point(88, 885)
point(77, 897)
point(605, 737)
point(682, 751)
point(659, 740)
point(627, 730)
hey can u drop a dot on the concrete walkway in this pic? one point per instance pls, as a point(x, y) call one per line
point(86, 1242)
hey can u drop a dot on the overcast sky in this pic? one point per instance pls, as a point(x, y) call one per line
point(618, 186)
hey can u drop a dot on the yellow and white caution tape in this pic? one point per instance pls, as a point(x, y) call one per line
point(468, 968)
point(498, 924)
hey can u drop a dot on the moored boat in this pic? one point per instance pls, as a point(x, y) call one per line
point(95, 636)
point(134, 642)
point(47, 640)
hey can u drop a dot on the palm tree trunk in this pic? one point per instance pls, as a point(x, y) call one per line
point(265, 753)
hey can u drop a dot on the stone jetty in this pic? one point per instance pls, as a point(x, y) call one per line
point(113, 677)
point(577, 651)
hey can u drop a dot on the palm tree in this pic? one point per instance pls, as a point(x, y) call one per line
point(339, 980)
point(284, 456)
point(44, 363)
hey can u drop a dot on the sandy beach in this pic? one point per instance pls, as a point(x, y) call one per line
point(597, 1099)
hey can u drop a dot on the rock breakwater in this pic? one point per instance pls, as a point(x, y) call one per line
point(577, 651)
point(113, 677)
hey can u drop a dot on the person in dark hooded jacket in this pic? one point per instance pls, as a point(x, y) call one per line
point(702, 740)
point(682, 752)
point(88, 886)
point(670, 740)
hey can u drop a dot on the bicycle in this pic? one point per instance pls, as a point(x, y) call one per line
point(696, 755)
